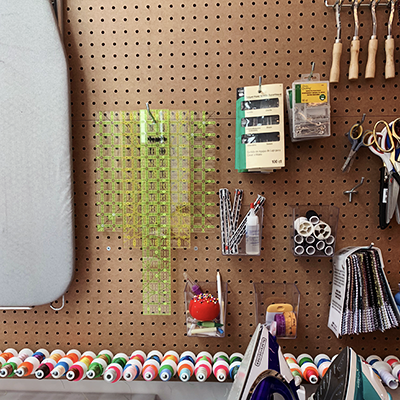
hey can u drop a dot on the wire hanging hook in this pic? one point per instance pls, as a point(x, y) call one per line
point(62, 304)
point(312, 71)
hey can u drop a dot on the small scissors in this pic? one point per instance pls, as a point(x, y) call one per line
point(358, 138)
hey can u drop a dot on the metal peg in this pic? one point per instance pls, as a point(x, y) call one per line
point(353, 191)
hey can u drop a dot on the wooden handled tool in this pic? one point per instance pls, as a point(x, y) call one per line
point(372, 45)
point(389, 45)
point(355, 44)
point(337, 46)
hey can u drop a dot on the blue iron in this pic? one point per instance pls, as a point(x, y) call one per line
point(264, 373)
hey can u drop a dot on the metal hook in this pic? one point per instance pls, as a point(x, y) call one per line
point(151, 115)
point(353, 191)
point(259, 84)
point(62, 304)
point(312, 71)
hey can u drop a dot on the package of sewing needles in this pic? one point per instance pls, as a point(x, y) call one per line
point(260, 138)
point(308, 108)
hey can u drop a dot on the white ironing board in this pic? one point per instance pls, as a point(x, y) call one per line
point(36, 198)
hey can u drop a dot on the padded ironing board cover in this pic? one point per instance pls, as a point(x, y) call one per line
point(36, 203)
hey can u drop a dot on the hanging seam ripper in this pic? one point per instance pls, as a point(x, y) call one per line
point(337, 46)
point(355, 44)
point(372, 44)
point(389, 44)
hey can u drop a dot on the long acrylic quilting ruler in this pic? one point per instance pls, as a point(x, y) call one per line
point(202, 171)
point(109, 172)
point(180, 151)
point(156, 212)
point(131, 180)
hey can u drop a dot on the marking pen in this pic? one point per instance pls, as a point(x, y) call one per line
point(168, 366)
point(78, 370)
point(152, 365)
point(8, 369)
point(32, 363)
point(64, 364)
point(48, 364)
point(99, 364)
point(221, 366)
point(186, 365)
point(134, 366)
point(113, 372)
point(194, 287)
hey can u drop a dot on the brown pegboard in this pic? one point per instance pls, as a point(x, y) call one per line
point(193, 56)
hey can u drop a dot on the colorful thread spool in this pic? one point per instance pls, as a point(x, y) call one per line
point(48, 364)
point(4, 357)
point(134, 366)
point(308, 368)
point(203, 367)
point(99, 364)
point(65, 363)
point(294, 368)
point(323, 362)
point(221, 366)
point(152, 365)
point(78, 370)
point(168, 366)
point(186, 365)
point(384, 371)
point(32, 363)
point(234, 364)
point(8, 369)
point(113, 372)
point(393, 361)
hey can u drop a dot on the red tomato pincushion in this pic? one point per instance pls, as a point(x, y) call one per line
point(204, 307)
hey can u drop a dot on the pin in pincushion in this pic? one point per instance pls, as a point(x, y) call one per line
point(204, 307)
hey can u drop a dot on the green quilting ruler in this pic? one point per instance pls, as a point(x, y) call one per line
point(109, 172)
point(156, 183)
point(202, 171)
point(180, 142)
point(156, 212)
point(131, 180)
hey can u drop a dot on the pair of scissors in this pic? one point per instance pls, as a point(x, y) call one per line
point(358, 138)
point(389, 197)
